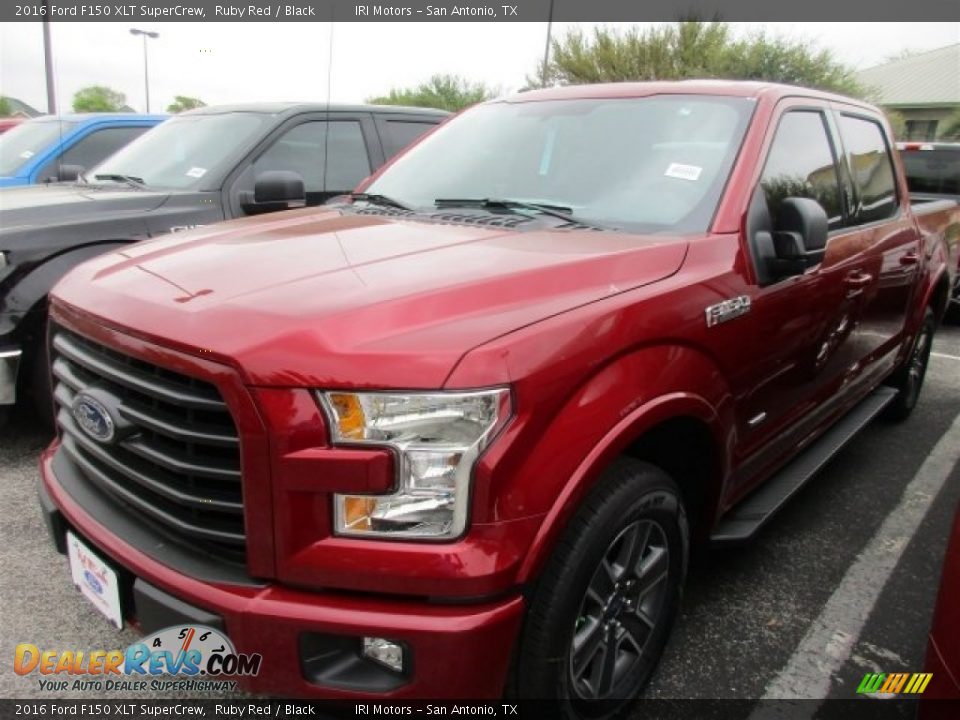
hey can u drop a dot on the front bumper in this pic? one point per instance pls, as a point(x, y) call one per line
point(456, 650)
point(9, 369)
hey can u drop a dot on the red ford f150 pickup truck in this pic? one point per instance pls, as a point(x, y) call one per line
point(454, 437)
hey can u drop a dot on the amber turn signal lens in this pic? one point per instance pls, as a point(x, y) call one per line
point(357, 511)
point(350, 416)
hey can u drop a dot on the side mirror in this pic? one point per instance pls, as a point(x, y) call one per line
point(802, 227)
point(275, 190)
point(796, 243)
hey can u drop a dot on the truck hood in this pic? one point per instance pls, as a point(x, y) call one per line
point(62, 203)
point(331, 299)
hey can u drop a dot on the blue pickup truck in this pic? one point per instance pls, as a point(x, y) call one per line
point(56, 148)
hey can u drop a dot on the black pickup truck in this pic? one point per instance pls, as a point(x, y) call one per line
point(198, 168)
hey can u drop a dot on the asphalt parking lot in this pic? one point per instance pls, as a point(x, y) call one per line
point(842, 582)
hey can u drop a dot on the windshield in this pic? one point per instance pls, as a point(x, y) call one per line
point(180, 152)
point(654, 164)
point(933, 171)
point(18, 145)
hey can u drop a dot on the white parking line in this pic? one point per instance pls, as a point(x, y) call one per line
point(832, 635)
point(945, 356)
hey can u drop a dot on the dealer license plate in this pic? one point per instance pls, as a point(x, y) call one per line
point(95, 579)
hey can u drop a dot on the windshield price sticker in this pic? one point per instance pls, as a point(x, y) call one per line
point(683, 172)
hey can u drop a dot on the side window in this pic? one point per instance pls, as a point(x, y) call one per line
point(801, 163)
point(304, 149)
point(93, 149)
point(348, 162)
point(401, 133)
point(871, 166)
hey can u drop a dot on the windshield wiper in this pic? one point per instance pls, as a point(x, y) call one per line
point(558, 211)
point(384, 200)
point(130, 180)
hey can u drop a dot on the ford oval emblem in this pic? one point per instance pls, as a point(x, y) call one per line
point(93, 582)
point(93, 418)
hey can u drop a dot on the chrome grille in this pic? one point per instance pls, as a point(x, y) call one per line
point(176, 463)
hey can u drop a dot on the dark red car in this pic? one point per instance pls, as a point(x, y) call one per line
point(456, 435)
point(943, 652)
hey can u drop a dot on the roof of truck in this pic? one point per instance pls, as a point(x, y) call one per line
point(730, 88)
point(87, 117)
point(277, 108)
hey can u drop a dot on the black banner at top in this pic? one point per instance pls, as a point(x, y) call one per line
point(477, 11)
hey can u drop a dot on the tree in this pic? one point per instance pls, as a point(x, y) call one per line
point(446, 92)
point(6, 109)
point(98, 98)
point(691, 49)
point(184, 102)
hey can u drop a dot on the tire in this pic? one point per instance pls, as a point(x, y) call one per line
point(588, 600)
point(41, 389)
point(908, 379)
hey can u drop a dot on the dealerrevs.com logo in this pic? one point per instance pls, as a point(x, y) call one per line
point(186, 653)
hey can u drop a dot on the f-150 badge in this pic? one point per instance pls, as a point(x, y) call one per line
point(727, 310)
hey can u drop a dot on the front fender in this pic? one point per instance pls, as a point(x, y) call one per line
point(549, 460)
point(32, 289)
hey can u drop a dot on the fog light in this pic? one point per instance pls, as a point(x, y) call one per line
point(387, 653)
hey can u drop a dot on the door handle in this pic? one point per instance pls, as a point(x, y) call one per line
point(911, 258)
point(856, 283)
point(858, 280)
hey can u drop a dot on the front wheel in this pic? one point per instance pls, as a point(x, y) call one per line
point(602, 612)
point(908, 380)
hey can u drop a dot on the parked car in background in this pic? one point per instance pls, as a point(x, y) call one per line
point(58, 148)
point(455, 436)
point(943, 650)
point(9, 122)
point(933, 173)
point(197, 168)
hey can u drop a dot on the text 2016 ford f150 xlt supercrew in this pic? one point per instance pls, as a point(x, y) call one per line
point(200, 167)
point(455, 437)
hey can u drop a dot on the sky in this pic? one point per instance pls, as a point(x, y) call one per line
point(244, 62)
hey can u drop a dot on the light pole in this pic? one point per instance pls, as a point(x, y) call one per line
point(546, 49)
point(48, 62)
point(146, 71)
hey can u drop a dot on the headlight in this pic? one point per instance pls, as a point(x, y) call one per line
point(438, 438)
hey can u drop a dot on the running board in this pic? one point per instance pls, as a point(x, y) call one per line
point(746, 518)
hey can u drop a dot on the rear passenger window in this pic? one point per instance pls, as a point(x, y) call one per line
point(801, 163)
point(871, 166)
point(401, 133)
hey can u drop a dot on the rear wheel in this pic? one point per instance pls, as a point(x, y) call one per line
point(603, 610)
point(908, 380)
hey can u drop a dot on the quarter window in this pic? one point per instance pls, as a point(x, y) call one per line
point(801, 163)
point(871, 167)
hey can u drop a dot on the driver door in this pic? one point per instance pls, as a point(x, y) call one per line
point(805, 346)
point(332, 153)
